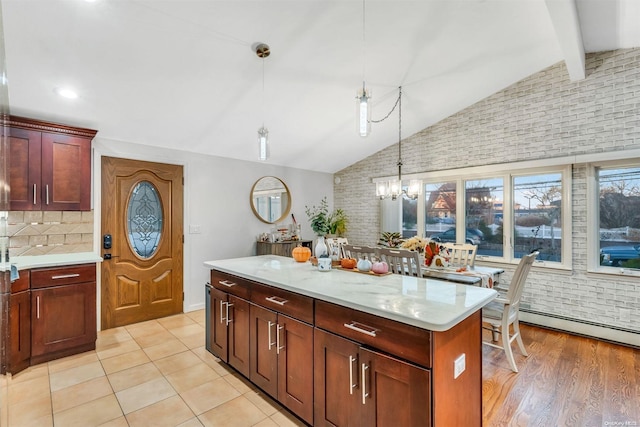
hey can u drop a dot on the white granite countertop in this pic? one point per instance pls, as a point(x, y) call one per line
point(426, 303)
point(54, 260)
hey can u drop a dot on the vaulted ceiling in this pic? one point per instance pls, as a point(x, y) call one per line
point(184, 74)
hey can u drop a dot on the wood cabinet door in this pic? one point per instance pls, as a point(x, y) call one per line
point(66, 172)
point(336, 381)
point(394, 392)
point(25, 154)
point(239, 334)
point(62, 318)
point(295, 366)
point(20, 331)
point(263, 357)
point(217, 329)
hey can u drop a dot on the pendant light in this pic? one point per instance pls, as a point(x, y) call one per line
point(263, 51)
point(363, 106)
point(393, 187)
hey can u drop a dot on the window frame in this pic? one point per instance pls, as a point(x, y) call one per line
point(507, 176)
point(593, 218)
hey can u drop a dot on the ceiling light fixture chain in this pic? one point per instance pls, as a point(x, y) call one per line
point(394, 188)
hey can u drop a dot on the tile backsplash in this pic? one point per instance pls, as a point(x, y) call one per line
point(49, 232)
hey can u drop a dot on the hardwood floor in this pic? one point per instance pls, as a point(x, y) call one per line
point(565, 381)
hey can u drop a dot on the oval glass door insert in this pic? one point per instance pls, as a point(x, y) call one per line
point(144, 219)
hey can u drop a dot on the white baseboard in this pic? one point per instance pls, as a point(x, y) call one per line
point(604, 333)
point(193, 307)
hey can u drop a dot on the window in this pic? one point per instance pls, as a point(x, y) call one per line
point(537, 215)
point(144, 219)
point(409, 216)
point(484, 202)
point(618, 221)
point(507, 214)
point(440, 208)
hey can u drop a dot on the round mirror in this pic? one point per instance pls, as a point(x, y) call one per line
point(270, 199)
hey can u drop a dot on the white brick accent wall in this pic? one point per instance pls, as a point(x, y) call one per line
point(543, 116)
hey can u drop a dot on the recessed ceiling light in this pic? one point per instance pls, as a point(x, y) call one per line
point(66, 93)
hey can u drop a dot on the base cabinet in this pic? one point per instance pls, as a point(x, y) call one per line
point(228, 329)
point(20, 331)
point(356, 386)
point(63, 311)
point(281, 363)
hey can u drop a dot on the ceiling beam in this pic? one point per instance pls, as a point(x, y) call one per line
point(564, 17)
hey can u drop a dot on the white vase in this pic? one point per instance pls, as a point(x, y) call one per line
point(321, 247)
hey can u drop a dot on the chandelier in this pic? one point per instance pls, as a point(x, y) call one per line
point(393, 188)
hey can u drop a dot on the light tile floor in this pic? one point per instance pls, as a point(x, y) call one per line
point(155, 373)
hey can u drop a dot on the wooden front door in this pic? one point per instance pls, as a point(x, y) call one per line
point(142, 213)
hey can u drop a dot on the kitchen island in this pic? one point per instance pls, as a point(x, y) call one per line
point(348, 348)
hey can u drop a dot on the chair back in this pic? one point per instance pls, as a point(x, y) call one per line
point(517, 281)
point(462, 254)
point(360, 252)
point(401, 261)
point(336, 246)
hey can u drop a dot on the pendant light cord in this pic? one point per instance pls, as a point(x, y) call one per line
point(263, 91)
point(364, 44)
point(399, 103)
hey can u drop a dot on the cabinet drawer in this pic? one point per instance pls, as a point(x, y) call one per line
point(405, 341)
point(231, 284)
point(22, 284)
point(67, 275)
point(295, 305)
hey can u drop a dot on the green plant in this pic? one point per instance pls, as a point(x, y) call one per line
point(338, 222)
point(323, 222)
point(390, 239)
point(319, 217)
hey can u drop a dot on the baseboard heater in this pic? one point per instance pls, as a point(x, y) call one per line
point(585, 328)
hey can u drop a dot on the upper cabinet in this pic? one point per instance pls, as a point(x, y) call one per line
point(49, 166)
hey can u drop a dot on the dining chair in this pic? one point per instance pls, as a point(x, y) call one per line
point(401, 261)
point(360, 252)
point(462, 254)
point(336, 244)
point(503, 312)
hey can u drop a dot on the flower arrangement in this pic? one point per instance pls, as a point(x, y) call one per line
point(415, 243)
point(436, 255)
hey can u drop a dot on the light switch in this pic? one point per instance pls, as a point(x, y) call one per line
point(194, 229)
point(459, 365)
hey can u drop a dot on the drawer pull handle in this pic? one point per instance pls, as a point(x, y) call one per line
point(277, 300)
point(271, 344)
point(229, 319)
point(363, 329)
point(227, 283)
point(351, 384)
point(65, 276)
point(364, 384)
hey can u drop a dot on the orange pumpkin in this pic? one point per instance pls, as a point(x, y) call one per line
point(301, 253)
point(348, 263)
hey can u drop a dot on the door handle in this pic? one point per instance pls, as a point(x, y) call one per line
point(271, 344)
point(278, 329)
point(351, 384)
point(364, 383)
point(34, 194)
point(229, 319)
point(38, 307)
point(222, 318)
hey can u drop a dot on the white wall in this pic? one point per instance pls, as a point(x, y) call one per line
point(216, 197)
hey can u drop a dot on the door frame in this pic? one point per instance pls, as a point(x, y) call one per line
point(97, 214)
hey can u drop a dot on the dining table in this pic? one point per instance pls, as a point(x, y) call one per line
point(486, 277)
